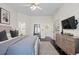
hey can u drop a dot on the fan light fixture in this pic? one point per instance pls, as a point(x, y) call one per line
point(35, 6)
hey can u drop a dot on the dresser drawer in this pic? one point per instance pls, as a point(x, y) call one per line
point(69, 44)
point(70, 48)
point(70, 51)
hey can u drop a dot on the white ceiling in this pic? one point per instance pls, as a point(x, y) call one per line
point(48, 9)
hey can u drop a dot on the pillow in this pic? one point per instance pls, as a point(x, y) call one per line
point(3, 36)
point(8, 35)
point(14, 33)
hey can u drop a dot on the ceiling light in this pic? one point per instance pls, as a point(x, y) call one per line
point(33, 7)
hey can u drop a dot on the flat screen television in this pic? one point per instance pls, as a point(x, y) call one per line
point(69, 23)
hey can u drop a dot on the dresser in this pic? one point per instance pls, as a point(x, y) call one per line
point(69, 44)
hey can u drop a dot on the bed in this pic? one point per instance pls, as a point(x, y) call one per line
point(25, 46)
point(21, 45)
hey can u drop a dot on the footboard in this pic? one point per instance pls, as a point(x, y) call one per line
point(37, 44)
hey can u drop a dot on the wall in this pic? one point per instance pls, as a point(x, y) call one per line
point(67, 10)
point(17, 18)
point(23, 19)
point(13, 15)
point(44, 21)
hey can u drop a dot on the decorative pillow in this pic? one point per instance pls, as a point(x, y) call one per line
point(3, 36)
point(14, 33)
point(8, 35)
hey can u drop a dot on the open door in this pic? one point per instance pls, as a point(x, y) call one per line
point(37, 30)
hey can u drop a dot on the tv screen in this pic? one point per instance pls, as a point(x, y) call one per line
point(69, 23)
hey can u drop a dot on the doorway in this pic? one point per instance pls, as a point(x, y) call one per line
point(37, 30)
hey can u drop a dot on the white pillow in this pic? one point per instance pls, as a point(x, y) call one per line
point(8, 35)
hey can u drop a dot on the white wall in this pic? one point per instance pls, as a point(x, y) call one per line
point(16, 18)
point(13, 14)
point(21, 18)
point(67, 10)
point(43, 21)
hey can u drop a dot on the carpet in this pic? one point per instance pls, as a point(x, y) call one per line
point(46, 48)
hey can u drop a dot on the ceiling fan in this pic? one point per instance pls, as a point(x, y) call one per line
point(34, 6)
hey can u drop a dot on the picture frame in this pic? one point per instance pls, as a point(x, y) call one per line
point(4, 16)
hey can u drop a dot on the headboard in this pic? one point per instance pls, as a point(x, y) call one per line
point(5, 27)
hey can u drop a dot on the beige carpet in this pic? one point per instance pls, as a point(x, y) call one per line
point(47, 49)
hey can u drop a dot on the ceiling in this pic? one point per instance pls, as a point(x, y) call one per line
point(48, 9)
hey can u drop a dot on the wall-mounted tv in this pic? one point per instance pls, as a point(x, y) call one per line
point(69, 23)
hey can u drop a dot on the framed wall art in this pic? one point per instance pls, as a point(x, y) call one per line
point(4, 16)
